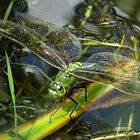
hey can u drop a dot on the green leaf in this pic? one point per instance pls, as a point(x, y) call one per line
point(41, 127)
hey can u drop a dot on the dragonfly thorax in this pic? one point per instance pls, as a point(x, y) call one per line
point(63, 81)
point(56, 90)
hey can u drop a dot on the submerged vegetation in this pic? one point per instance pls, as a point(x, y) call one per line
point(96, 55)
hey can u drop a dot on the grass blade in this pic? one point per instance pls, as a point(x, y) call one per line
point(12, 90)
point(8, 10)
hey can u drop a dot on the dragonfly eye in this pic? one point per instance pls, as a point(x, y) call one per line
point(60, 88)
point(56, 90)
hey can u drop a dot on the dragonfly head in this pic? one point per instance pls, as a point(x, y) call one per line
point(56, 90)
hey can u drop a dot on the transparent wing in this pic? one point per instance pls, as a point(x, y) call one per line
point(34, 23)
point(62, 39)
point(109, 68)
point(32, 41)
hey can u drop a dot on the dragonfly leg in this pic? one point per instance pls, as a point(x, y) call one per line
point(86, 94)
point(61, 102)
point(74, 107)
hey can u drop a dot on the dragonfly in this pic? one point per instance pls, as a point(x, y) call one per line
point(61, 49)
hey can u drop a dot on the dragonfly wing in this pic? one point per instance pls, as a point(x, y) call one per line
point(109, 68)
point(67, 43)
point(63, 40)
point(44, 28)
point(30, 40)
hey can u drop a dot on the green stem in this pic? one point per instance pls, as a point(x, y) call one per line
point(96, 42)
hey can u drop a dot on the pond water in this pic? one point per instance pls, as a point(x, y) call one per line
point(55, 11)
point(114, 109)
